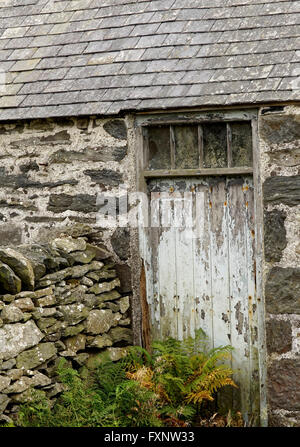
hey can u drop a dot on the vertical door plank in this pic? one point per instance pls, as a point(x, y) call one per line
point(167, 263)
point(202, 262)
point(219, 262)
point(184, 257)
point(220, 276)
point(238, 279)
point(154, 235)
point(252, 300)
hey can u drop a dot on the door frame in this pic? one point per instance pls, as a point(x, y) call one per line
point(142, 121)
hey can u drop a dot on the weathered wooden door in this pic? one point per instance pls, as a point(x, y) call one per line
point(199, 259)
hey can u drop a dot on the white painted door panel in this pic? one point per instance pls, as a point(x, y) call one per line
point(200, 270)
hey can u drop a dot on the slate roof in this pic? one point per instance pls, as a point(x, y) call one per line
point(76, 57)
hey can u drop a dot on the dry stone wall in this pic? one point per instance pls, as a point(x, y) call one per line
point(61, 299)
point(279, 138)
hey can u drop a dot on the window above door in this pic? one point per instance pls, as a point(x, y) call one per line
point(206, 148)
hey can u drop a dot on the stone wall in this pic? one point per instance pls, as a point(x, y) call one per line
point(279, 137)
point(52, 170)
point(61, 299)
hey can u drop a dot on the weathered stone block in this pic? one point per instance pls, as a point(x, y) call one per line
point(116, 354)
point(102, 154)
point(31, 166)
point(44, 323)
point(105, 177)
point(116, 128)
point(74, 313)
point(11, 314)
point(9, 280)
point(69, 244)
point(104, 287)
point(43, 312)
point(102, 275)
point(282, 189)
point(10, 234)
point(15, 374)
point(286, 157)
point(120, 242)
point(282, 291)
point(280, 129)
point(279, 336)
point(283, 384)
point(76, 343)
point(101, 251)
point(73, 330)
point(20, 265)
point(100, 321)
point(4, 382)
point(36, 356)
point(8, 364)
point(84, 257)
point(4, 401)
point(119, 334)
point(24, 304)
point(19, 386)
point(18, 337)
point(30, 395)
point(101, 341)
point(109, 296)
point(37, 256)
point(275, 235)
point(124, 304)
point(46, 301)
point(85, 203)
point(40, 380)
point(124, 274)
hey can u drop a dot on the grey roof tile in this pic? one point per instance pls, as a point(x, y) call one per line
point(19, 42)
point(23, 54)
point(145, 29)
point(25, 65)
point(151, 41)
point(171, 27)
point(50, 62)
point(111, 45)
point(11, 101)
point(39, 30)
point(134, 19)
point(52, 74)
point(46, 52)
point(72, 48)
point(11, 89)
point(60, 86)
point(12, 33)
point(157, 53)
point(33, 87)
point(199, 26)
point(102, 56)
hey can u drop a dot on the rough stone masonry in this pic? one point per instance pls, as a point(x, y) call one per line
point(61, 299)
point(64, 296)
point(279, 138)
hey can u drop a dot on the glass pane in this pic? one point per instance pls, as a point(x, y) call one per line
point(241, 144)
point(215, 145)
point(186, 147)
point(159, 148)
